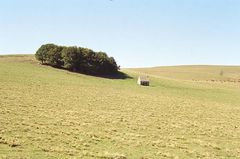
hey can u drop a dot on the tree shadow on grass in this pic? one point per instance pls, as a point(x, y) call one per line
point(117, 75)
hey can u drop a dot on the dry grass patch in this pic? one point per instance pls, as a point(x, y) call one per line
point(49, 113)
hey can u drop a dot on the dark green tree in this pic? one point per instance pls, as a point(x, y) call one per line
point(54, 56)
point(72, 58)
point(42, 53)
point(77, 59)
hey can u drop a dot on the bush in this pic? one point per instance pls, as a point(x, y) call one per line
point(77, 59)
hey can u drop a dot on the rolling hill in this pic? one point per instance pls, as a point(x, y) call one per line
point(52, 113)
point(195, 72)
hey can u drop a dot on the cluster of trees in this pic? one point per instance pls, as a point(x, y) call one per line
point(77, 59)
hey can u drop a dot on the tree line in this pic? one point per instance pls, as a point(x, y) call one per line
point(77, 59)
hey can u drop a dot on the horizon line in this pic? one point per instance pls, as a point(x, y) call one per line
point(174, 65)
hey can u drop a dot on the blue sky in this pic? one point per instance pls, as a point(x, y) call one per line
point(137, 33)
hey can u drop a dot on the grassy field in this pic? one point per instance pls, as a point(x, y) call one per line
point(51, 113)
point(198, 73)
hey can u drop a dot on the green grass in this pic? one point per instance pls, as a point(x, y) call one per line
point(52, 113)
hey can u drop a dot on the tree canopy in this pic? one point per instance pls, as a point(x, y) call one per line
point(77, 59)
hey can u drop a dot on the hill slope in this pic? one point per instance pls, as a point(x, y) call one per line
point(201, 72)
point(51, 113)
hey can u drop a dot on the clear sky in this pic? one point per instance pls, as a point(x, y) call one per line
point(137, 33)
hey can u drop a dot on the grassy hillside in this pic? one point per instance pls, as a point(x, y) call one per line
point(212, 73)
point(52, 113)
